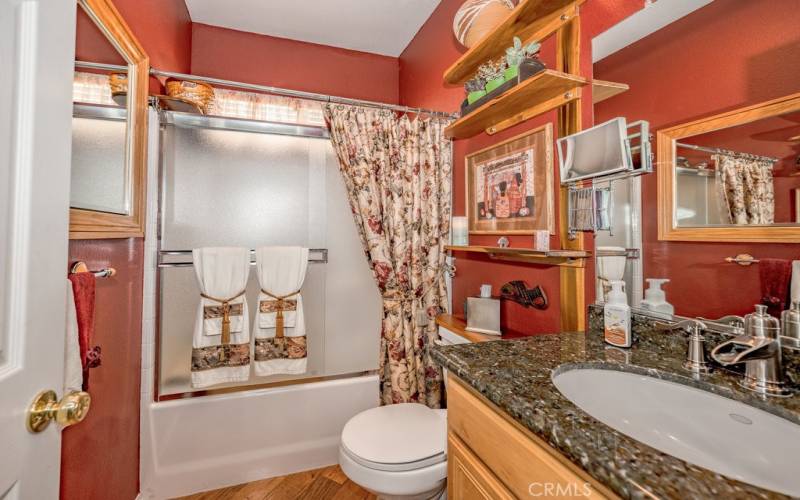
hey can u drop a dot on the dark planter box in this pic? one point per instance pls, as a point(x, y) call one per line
point(527, 69)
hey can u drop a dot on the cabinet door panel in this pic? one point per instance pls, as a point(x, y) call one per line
point(468, 478)
point(525, 464)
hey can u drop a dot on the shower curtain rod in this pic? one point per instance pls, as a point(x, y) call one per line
point(727, 152)
point(275, 90)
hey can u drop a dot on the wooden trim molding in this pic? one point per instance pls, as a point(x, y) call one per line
point(572, 295)
point(668, 229)
point(87, 224)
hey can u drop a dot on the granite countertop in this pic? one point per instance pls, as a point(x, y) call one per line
point(516, 376)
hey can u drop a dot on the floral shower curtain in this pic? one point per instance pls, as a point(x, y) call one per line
point(745, 190)
point(397, 172)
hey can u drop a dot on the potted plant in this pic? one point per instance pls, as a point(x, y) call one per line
point(475, 89)
point(492, 73)
point(519, 55)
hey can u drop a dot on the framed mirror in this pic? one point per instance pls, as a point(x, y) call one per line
point(109, 126)
point(732, 176)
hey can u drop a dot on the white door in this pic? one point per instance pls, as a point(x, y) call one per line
point(36, 64)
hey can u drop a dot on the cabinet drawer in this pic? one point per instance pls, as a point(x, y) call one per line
point(468, 478)
point(519, 459)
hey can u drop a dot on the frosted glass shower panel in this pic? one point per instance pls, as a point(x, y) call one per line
point(99, 177)
point(232, 188)
point(180, 294)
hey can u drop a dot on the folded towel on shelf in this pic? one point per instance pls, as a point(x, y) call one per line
point(794, 294)
point(775, 275)
point(280, 345)
point(73, 367)
point(221, 338)
point(83, 293)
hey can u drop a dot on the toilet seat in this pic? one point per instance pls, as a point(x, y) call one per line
point(397, 467)
point(396, 438)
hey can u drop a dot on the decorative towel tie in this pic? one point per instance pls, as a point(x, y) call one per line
point(226, 314)
point(279, 308)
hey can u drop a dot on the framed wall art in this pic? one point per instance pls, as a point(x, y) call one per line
point(510, 185)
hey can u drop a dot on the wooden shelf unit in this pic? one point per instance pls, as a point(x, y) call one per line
point(539, 94)
point(565, 258)
point(602, 90)
point(530, 20)
point(536, 20)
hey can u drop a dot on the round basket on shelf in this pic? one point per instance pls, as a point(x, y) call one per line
point(118, 82)
point(476, 18)
point(198, 93)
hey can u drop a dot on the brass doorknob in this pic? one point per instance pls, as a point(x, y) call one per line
point(71, 410)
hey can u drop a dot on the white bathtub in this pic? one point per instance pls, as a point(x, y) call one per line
point(199, 444)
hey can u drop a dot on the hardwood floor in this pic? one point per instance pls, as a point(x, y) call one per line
point(328, 483)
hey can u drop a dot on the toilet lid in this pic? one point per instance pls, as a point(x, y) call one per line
point(397, 437)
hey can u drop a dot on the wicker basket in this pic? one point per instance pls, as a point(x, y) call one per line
point(118, 82)
point(198, 93)
point(476, 18)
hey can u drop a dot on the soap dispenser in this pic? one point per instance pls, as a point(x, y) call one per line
point(655, 299)
point(617, 317)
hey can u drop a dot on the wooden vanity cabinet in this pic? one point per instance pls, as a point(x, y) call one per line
point(490, 456)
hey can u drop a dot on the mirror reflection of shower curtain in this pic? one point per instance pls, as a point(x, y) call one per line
point(745, 190)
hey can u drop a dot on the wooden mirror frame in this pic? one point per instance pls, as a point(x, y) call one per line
point(88, 224)
point(668, 230)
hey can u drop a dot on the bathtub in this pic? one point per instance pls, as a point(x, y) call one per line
point(210, 442)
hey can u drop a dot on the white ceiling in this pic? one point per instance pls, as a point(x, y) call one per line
point(654, 16)
point(378, 26)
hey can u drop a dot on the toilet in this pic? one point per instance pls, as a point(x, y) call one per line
point(397, 451)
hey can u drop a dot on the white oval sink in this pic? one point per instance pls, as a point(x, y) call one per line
point(699, 427)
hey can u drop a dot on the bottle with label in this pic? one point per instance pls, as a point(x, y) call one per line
point(617, 316)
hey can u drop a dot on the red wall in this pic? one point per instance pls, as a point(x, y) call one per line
point(164, 29)
point(729, 54)
point(100, 457)
point(91, 44)
point(279, 62)
point(422, 64)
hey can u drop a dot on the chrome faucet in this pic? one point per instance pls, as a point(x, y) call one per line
point(760, 350)
point(696, 352)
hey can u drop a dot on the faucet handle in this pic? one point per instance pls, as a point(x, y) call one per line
point(692, 326)
point(696, 352)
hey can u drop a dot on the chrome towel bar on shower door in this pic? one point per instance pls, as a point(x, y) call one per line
point(316, 256)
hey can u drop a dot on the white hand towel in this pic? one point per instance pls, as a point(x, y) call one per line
point(73, 369)
point(222, 276)
point(794, 293)
point(281, 272)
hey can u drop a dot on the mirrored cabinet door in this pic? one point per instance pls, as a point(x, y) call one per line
point(108, 126)
point(100, 180)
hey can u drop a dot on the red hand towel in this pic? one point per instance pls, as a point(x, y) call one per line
point(83, 289)
point(775, 275)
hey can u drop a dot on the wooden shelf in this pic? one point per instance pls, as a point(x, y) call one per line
point(536, 95)
point(566, 258)
point(459, 327)
point(602, 90)
point(530, 20)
